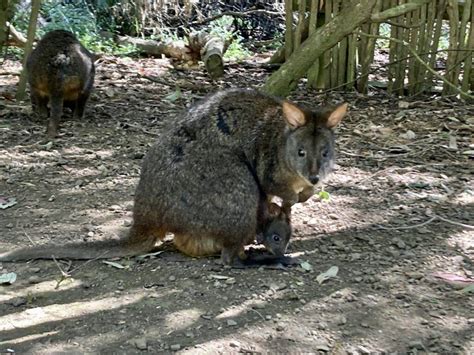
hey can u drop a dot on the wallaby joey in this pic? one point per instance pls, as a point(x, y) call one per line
point(203, 178)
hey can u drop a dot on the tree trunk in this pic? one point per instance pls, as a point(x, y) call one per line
point(3, 23)
point(324, 38)
point(35, 7)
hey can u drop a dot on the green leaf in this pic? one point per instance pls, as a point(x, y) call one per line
point(467, 289)
point(324, 195)
point(176, 95)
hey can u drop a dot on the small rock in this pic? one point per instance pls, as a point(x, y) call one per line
point(258, 306)
point(90, 234)
point(234, 344)
point(364, 325)
point(230, 281)
point(189, 334)
point(34, 280)
point(35, 269)
point(206, 316)
point(280, 327)
point(172, 278)
point(127, 223)
point(231, 323)
point(322, 345)
point(355, 256)
point(363, 350)
point(341, 320)
point(175, 347)
point(17, 302)
point(140, 343)
point(416, 344)
point(322, 326)
point(114, 208)
point(268, 317)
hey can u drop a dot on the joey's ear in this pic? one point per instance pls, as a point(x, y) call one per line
point(294, 116)
point(336, 116)
point(273, 209)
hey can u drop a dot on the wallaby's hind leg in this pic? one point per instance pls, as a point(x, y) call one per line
point(196, 245)
point(143, 238)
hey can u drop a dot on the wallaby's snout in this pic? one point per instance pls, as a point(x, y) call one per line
point(314, 179)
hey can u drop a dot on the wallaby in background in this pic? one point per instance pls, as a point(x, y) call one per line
point(199, 180)
point(60, 71)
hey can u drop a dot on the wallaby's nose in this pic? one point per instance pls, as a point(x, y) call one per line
point(314, 179)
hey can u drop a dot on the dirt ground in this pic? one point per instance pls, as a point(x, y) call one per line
point(398, 226)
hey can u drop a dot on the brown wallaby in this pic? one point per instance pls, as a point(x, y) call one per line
point(60, 71)
point(202, 180)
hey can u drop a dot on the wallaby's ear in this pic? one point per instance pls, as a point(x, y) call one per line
point(336, 116)
point(294, 116)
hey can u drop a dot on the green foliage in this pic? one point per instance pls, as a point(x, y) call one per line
point(222, 28)
point(74, 16)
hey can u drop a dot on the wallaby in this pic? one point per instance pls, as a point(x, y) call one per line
point(60, 71)
point(199, 180)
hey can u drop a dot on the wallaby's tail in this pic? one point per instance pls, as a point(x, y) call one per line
point(133, 245)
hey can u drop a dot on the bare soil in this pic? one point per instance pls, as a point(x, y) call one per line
point(398, 226)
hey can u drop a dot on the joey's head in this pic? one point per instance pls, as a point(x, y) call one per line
point(276, 232)
point(309, 150)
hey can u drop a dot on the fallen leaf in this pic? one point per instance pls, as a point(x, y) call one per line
point(306, 266)
point(6, 202)
point(453, 278)
point(467, 289)
point(7, 278)
point(330, 273)
point(149, 255)
point(176, 95)
point(114, 264)
point(408, 135)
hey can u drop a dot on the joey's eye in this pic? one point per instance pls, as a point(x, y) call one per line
point(276, 237)
point(325, 153)
point(301, 152)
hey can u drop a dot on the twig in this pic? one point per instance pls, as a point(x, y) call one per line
point(468, 226)
point(260, 314)
point(409, 227)
point(24, 232)
point(434, 218)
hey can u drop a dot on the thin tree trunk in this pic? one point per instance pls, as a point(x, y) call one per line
point(301, 24)
point(453, 13)
point(468, 72)
point(35, 7)
point(289, 29)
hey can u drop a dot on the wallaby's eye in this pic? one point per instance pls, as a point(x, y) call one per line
point(301, 152)
point(325, 153)
point(276, 237)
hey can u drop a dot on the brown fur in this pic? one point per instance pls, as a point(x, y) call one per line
point(203, 179)
point(60, 70)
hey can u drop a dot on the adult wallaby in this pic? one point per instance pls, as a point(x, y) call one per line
point(204, 177)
